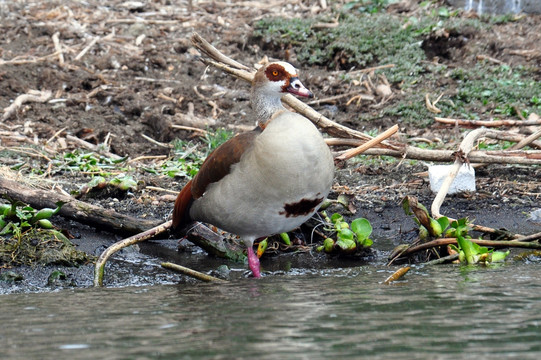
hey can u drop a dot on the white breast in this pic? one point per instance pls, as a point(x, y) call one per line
point(289, 163)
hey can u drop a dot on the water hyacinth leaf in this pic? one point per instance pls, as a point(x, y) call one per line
point(262, 247)
point(45, 224)
point(44, 213)
point(362, 228)
point(285, 238)
point(345, 234)
point(343, 200)
point(346, 245)
point(435, 228)
point(328, 245)
point(97, 182)
point(499, 256)
point(124, 183)
point(336, 218)
point(444, 222)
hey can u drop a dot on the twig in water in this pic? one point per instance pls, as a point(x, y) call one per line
point(192, 273)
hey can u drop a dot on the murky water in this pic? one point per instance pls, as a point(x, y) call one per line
point(440, 312)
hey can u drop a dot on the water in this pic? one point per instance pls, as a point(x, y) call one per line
point(440, 312)
point(497, 6)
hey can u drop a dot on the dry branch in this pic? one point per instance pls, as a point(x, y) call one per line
point(493, 123)
point(414, 153)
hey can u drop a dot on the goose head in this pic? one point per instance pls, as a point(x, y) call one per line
point(270, 83)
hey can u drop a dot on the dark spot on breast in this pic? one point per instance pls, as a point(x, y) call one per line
point(301, 208)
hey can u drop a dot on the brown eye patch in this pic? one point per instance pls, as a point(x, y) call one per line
point(276, 72)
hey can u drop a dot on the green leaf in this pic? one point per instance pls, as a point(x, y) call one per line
point(444, 222)
point(285, 238)
point(499, 256)
point(443, 12)
point(45, 224)
point(346, 245)
point(336, 218)
point(328, 244)
point(366, 242)
point(345, 234)
point(362, 228)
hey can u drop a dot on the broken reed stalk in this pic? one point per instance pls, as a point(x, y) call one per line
point(99, 268)
point(397, 275)
point(462, 157)
point(367, 145)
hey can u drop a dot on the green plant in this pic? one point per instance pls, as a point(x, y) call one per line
point(80, 161)
point(215, 138)
point(469, 252)
point(15, 217)
point(348, 238)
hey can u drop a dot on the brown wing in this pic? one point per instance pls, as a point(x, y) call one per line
point(218, 163)
point(183, 202)
point(215, 167)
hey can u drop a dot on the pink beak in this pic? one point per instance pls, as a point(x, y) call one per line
point(297, 88)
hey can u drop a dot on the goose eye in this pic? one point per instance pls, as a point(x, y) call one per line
point(275, 73)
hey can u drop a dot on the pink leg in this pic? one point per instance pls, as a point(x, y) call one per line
point(253, 262)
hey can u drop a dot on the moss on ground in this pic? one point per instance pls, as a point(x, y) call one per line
point(40, 247)
point(364, 39)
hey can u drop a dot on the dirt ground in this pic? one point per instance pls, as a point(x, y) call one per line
point(129, 70)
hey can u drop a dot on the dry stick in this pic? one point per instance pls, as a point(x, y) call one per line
point(397, 275)
point(532, 237)
point(85, 50)
point(192, 273)
point(32, 96)
point(99, 268)
point(214, 53)
point(370, 143)
point(90, 146)
point(27, 61)
point(58, 48)
point(338, 97)
point(527, 141)
point(513, 137)
point(495, 123)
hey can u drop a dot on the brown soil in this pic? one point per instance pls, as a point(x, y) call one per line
point(142, 76)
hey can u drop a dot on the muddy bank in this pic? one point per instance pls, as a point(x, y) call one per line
point(126, 75)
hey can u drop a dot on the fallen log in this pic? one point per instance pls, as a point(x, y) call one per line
point(83, 212)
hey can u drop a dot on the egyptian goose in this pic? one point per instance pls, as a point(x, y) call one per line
point(266, 181)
